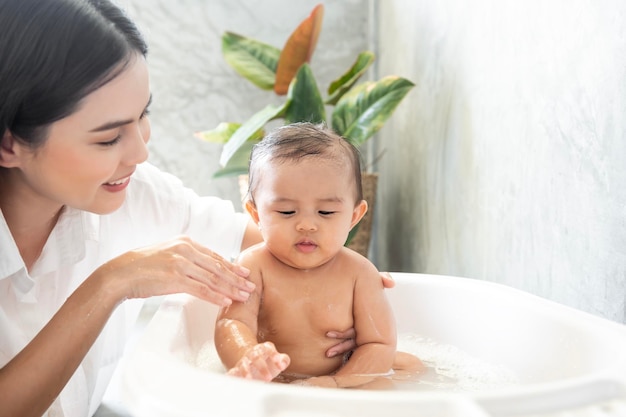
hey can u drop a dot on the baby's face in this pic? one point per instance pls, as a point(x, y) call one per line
point(306, 210)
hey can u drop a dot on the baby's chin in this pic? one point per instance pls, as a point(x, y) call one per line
point(305, 264)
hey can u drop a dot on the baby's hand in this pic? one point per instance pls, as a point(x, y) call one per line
point(261, 362)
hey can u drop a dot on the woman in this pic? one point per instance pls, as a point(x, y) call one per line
point(76, 201)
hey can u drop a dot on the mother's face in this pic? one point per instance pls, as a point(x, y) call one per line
point(89, 157)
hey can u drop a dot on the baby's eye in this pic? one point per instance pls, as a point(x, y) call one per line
point(286, 212)
point(326, 213)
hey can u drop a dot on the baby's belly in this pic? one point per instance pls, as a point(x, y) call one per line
point(310, 359)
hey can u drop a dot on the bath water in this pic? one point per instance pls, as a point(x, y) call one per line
point(447, 367)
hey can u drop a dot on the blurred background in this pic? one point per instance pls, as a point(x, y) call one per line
point(505, 163)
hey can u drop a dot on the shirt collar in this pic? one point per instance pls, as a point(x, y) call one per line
point(65, 245)
point(10, 258)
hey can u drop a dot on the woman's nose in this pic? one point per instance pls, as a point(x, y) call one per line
point(137, 151)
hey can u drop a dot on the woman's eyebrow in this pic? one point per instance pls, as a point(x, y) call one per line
point(117, 123)
point(111, 125)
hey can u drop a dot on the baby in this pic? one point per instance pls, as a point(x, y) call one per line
point(305, 196)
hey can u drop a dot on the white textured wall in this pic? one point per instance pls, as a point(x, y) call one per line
point(507, 162)
point(193, 87)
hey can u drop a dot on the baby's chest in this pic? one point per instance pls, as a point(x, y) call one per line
point(321, 307)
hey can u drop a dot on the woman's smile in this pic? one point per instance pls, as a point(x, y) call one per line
point(117, 185)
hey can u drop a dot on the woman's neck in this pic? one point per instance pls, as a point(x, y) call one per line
point(30, 217)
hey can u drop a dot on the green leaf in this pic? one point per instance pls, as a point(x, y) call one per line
point(343, 84)
point(252, 59)
point(249, 129)
point(362, 112)
point(352, 233)
point(238, 164)
point(306, 104)
point(221, 134)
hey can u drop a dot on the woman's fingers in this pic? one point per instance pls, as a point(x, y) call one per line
point(234, 268)
point(177, 266)
point(341, 348)
point(220, 282)
point(388, 281)
point(346, 344)
point(220, 273)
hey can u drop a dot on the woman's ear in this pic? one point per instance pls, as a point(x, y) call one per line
point(9, 152)
point(358, 213)
point(252, 211)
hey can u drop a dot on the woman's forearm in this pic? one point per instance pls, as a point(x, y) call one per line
point(31, 381)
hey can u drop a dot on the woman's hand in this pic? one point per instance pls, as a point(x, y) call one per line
point(177, 266)
point(345, 343)
point(388, 281)
point(346, 339)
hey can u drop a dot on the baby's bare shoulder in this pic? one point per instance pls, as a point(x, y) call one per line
point(255, 258)
point(253, 255)
point(362, 267)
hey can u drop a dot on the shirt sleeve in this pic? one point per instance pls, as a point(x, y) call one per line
point(159, 207)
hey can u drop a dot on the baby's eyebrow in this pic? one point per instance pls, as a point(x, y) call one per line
point(320, 200)
point(331, 200)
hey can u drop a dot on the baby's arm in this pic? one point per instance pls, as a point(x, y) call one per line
point(374, 324)
point(236, 339)
point(261, 362)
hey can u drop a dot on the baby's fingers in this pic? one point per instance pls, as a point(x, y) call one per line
point(262, 362)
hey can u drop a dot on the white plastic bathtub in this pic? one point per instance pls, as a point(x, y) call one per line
point(566, 362)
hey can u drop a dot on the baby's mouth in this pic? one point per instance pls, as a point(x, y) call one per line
point(306, 245)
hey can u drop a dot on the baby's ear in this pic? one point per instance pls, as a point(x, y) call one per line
point(358, 213)
point(252, 211)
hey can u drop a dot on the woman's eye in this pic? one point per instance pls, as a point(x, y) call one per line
point(145, 113)
point(111, 142)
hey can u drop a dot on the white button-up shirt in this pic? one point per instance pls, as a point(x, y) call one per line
point(157, 208)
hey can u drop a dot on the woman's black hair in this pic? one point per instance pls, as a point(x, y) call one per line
point(55, 52)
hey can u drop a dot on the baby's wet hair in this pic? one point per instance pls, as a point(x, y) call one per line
point(297, 141)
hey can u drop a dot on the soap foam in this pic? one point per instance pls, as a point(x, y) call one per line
point(447, 367)
point(208, 359)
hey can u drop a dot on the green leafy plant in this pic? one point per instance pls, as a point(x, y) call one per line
point(357, 110)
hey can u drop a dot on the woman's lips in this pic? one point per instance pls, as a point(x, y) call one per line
point(117, 185)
